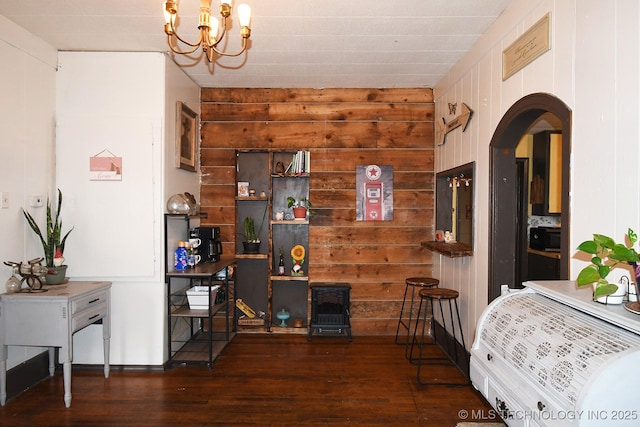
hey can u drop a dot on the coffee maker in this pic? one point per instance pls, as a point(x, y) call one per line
point(210, 247)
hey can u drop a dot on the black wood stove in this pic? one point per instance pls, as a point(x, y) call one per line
point(330, 309)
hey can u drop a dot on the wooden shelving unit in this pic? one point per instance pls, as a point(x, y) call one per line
point(257, 284)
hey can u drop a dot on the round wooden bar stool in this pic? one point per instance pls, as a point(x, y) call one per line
point(429, 299)
point(406, 319)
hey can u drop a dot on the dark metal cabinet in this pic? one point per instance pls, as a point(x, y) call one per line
point(542, 267)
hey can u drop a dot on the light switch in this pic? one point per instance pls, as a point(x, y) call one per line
point(4, 200)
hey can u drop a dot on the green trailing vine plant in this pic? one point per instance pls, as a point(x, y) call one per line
point(606, 255)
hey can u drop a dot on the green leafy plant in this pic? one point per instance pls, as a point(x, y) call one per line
point(606, 255)
point(250, 230)
point(302, 203)
point(52, 243)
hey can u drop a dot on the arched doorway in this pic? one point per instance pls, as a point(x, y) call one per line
point(503, 191)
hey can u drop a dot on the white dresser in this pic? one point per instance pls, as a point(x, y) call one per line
point(49, 319)
point(550, 356)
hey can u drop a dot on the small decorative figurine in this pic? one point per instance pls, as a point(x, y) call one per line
point(448, 237)
point(297, 255)
point(283, 315)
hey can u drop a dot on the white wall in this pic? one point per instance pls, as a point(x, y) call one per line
point(123, 103)
point(27, 104)
point(593, 68)
point(105, 100)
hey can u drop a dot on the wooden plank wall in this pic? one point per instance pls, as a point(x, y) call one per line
point(342, 128)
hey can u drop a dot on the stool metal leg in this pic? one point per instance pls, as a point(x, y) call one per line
point(426, 317)
point(421, 344)
point(406, 323)
point(408, 351)
point(420, 360)
point(466, 361)
point(413, 300)
point(453, 332)
point(400, 321)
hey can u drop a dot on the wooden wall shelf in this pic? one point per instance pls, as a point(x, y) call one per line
point(452, 250)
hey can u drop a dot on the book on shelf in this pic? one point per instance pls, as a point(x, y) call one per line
point(300, 163)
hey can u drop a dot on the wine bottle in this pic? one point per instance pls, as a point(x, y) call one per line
point(281, 265)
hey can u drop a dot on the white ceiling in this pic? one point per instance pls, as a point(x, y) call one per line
point(294, 43)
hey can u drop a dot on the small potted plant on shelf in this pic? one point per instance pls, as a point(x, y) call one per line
point(53, 244)
point(606, 255)
point(300, 207)
point(251, 241)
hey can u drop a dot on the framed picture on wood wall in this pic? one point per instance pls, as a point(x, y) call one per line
point(186, 138)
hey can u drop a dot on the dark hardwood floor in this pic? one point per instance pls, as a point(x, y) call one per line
point(261, 380)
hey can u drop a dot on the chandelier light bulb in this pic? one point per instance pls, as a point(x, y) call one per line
point(244, 14)
point(170, 9)
point(213, 31)
point(167, 15)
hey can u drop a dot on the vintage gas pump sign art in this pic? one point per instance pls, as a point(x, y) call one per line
point(374, 195)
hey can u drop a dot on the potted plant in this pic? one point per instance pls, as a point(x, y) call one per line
point(251, 241)
point(53, 244)
point(606, 255)
point(300, 207)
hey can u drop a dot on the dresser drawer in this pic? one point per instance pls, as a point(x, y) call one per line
point(91, 314)
point(88, 301)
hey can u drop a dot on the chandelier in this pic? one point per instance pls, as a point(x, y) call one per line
point(210, 32)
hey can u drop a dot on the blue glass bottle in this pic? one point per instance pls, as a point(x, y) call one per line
point(180, 258)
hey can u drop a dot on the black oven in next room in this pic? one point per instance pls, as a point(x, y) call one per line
point(545, 238)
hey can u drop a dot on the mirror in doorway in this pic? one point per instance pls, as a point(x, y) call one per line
point(454, 202)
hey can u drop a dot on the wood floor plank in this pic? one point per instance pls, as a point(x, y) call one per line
point(265, 379)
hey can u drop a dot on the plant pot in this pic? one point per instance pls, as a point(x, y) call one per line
point(251, 247)
point(619, 277)
point(56, 275)
point(615, 298)
point(300, 213)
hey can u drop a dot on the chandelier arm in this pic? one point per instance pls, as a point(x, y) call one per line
point(222, 35)
point(175, 33)
point(242, 49)
point(176, 49)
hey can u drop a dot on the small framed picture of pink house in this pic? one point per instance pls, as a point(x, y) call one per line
point(105, 167)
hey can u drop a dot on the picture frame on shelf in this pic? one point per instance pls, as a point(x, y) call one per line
point(186, 137)
point(243, 189)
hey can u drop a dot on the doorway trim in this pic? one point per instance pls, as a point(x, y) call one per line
point(503, 189)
